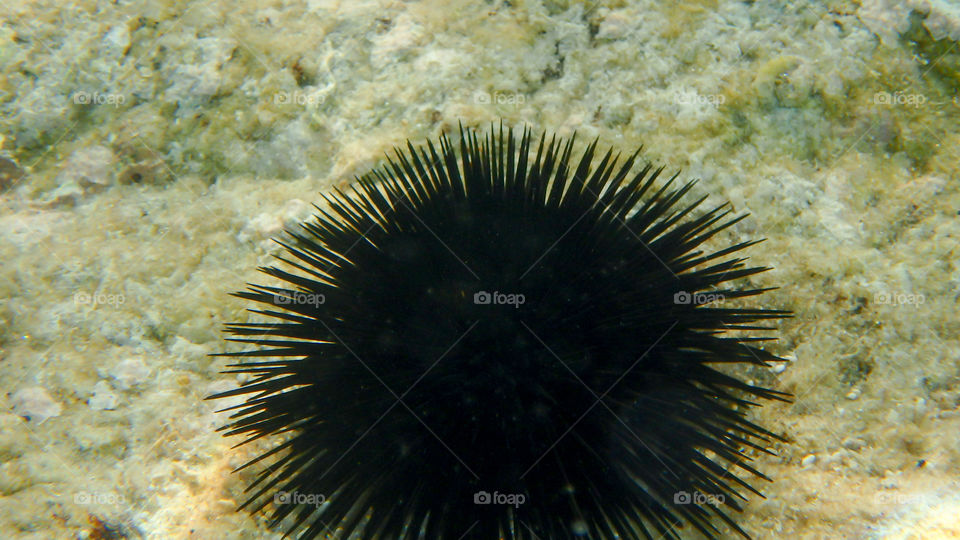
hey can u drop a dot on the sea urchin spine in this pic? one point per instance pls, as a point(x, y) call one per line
point(495, 343)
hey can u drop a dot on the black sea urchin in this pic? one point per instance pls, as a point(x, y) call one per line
point(492, 344)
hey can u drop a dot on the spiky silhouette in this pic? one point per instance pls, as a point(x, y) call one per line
point(495, 343)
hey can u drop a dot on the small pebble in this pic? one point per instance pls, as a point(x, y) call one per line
point(808, 460)
point(853, 394)
point(263, 225)
point(66, 194)
point(853, 443)
point(615, 25)
point(184, 348)
point(103, 399)
point(35, 404)
point(90, 167)
point(129, 373)
point(780, 367)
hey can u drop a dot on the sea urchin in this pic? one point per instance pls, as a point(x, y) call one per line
point(495, 343)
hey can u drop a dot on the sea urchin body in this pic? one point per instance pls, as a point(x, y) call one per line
point(494, 341)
